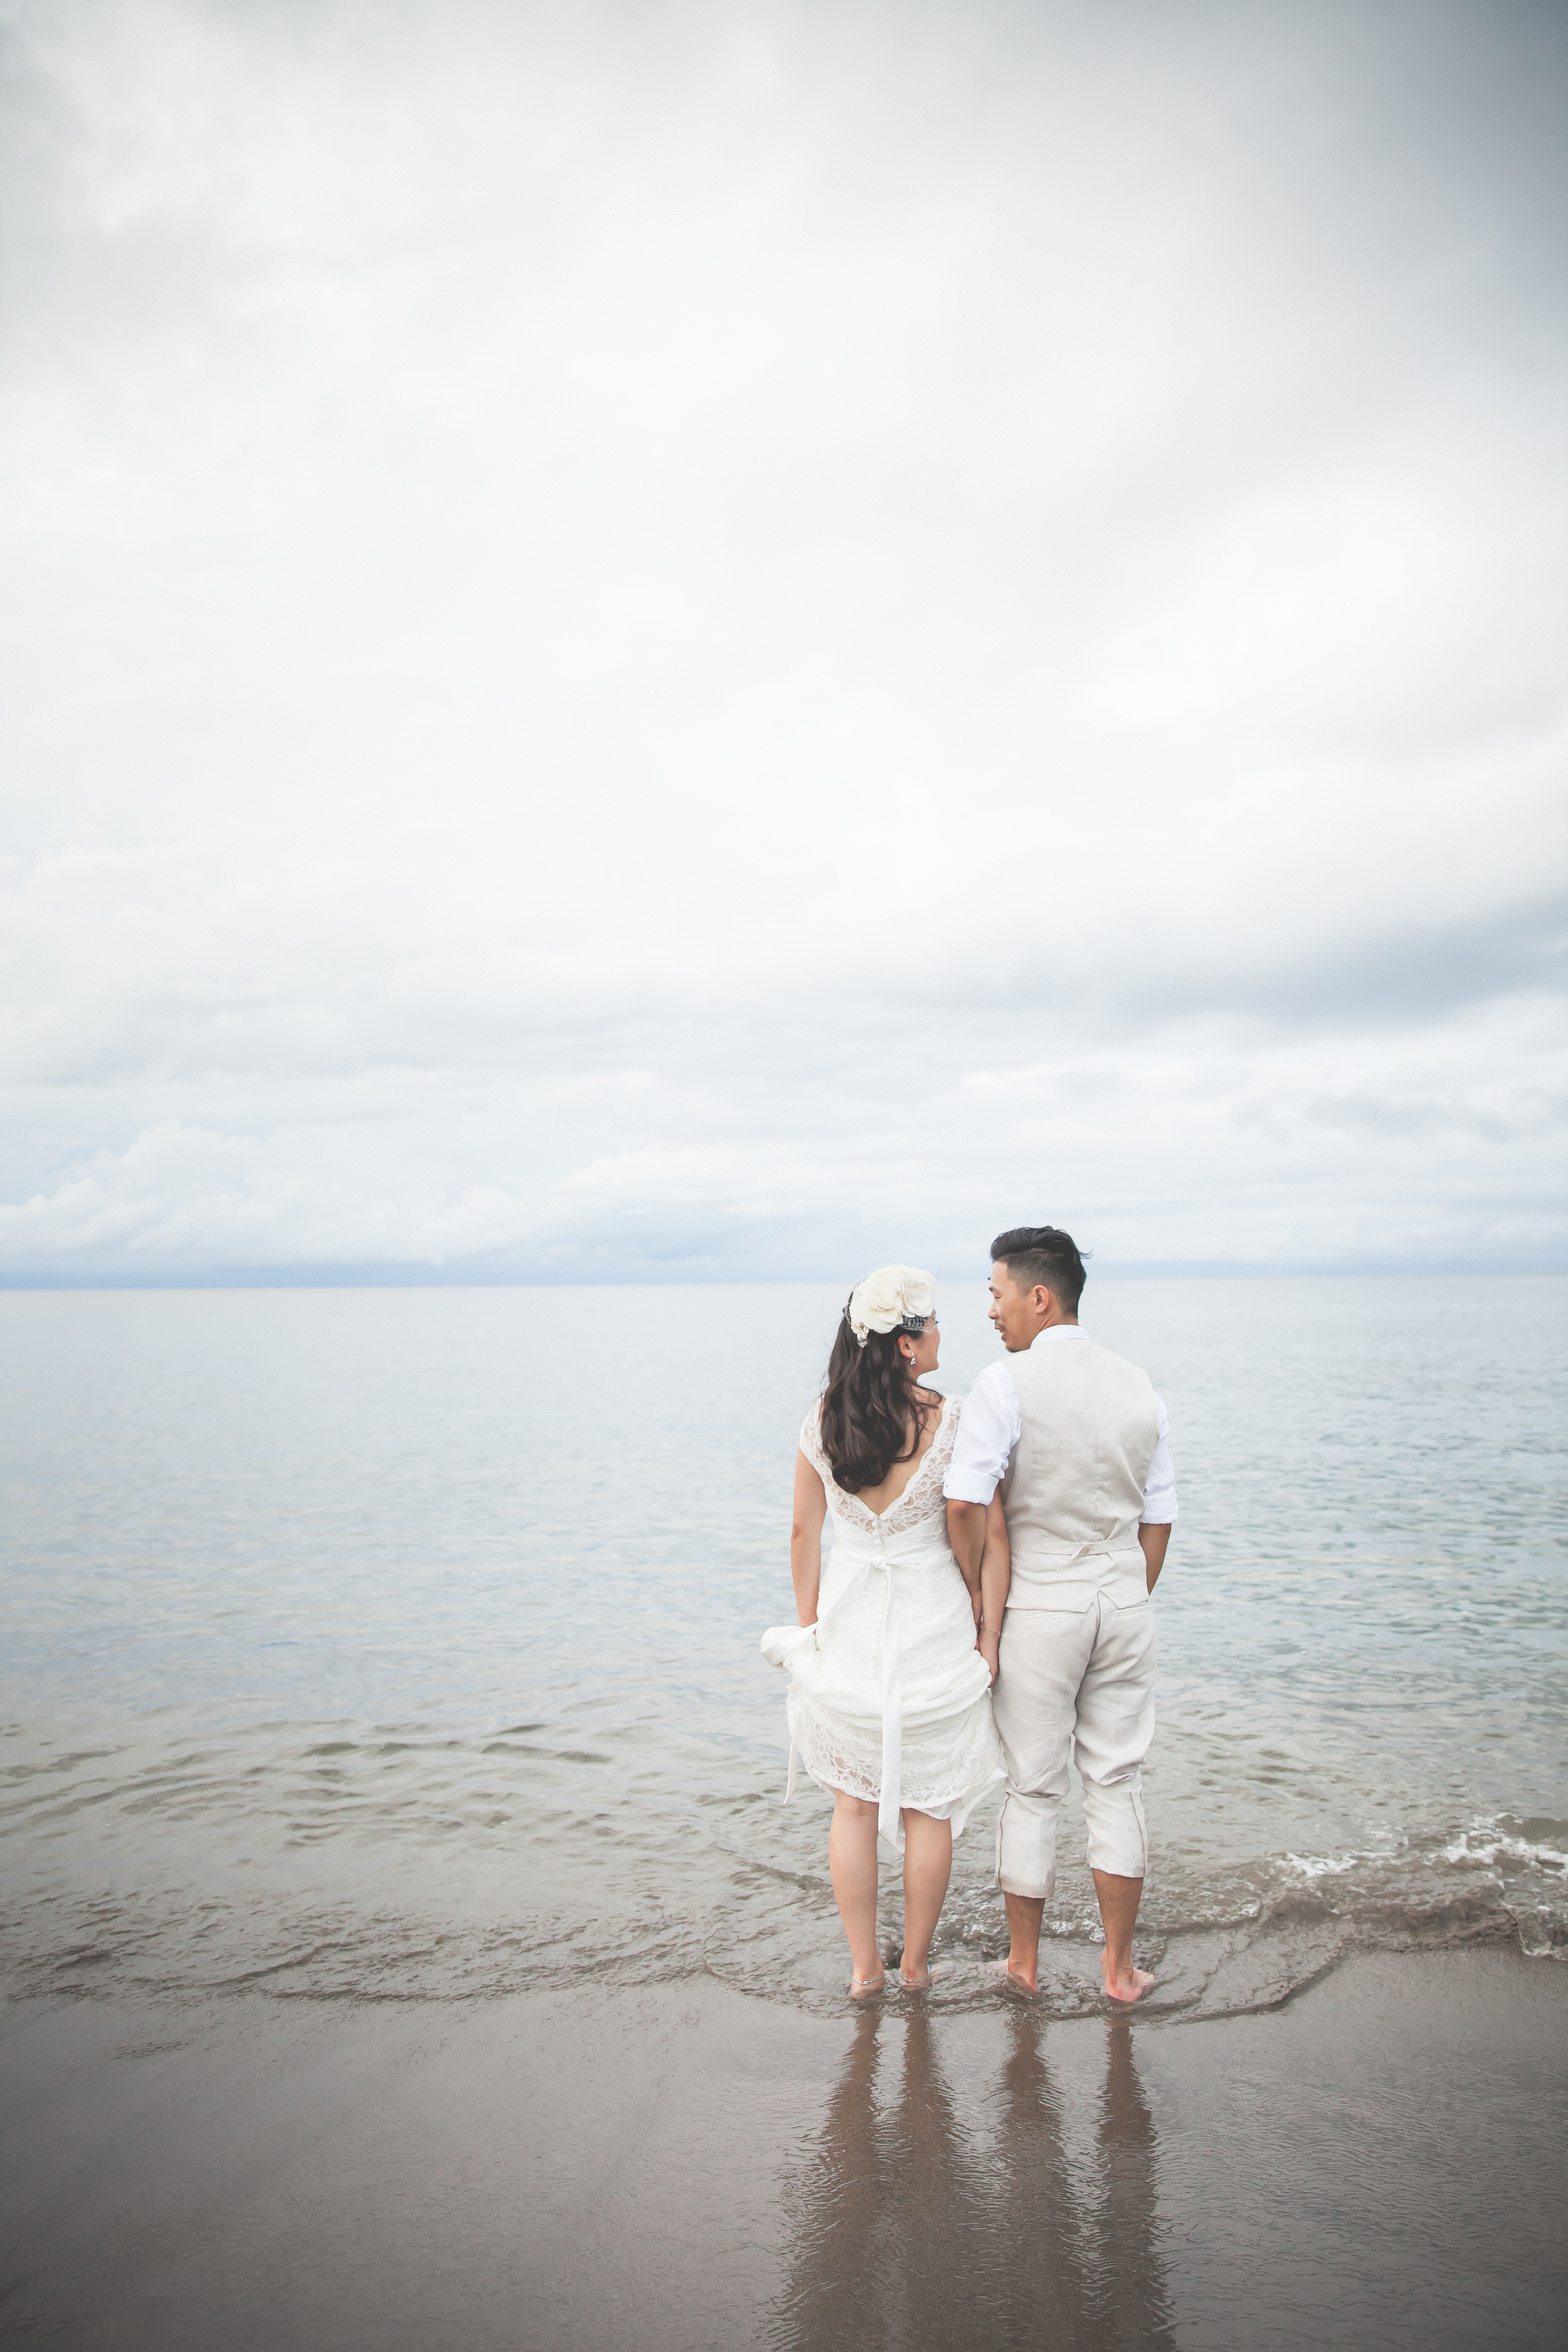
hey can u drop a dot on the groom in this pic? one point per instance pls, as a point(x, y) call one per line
point(1077, 1440)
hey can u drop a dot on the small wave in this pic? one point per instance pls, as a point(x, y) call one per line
point(1484, 1844)
point(1263, 1955)
point(1323, 1866)
point(446, 1889)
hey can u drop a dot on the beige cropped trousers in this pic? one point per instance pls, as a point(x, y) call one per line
point(1074, 1686)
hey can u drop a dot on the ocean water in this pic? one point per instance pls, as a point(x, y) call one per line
point(403, 1644)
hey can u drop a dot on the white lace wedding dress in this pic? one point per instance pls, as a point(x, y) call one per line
point(890, 1699)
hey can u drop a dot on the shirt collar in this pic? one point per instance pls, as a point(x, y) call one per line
point(1060, 1331)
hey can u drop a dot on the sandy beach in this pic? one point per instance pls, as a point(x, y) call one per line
point(1375, 2163)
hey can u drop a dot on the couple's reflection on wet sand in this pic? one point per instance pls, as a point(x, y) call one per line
point(928, 2217)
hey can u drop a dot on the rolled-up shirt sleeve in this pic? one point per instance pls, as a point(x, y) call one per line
point(1160, 1492)
point(989, 1427)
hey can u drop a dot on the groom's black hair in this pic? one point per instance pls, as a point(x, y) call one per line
point(1042, 1254)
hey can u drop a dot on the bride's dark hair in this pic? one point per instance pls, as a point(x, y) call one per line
point(870, 1408)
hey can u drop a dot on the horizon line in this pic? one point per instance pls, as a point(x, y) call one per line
point(427, 1277)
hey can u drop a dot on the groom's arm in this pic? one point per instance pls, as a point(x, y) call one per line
point(996, 1578)
point(988, 1430)
point(1157, 1514)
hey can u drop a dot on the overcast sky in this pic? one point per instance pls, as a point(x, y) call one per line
point(746, 639)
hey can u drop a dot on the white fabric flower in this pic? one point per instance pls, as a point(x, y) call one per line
point(893, 1294)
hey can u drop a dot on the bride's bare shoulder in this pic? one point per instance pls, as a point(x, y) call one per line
point(936, 1408)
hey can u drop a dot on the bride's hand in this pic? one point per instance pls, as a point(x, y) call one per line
point(989, 1645)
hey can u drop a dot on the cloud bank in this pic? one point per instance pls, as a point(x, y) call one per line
point(731, 640)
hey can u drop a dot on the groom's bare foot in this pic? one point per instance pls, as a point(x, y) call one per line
point(1129, 1986)
point(1026, 1918)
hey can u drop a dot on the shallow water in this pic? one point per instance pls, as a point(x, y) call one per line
point(404, 1642)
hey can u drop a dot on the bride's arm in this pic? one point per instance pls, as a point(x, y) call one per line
point(806, 1539)
point(995, 1577)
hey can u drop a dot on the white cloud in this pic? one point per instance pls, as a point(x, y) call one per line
point(658, 637)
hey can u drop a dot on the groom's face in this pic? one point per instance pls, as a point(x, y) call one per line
point(1017, 1314)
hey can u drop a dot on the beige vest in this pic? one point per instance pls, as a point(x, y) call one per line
point(1074, 1487)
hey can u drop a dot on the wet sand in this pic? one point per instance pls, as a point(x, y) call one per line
point(1378, 2163)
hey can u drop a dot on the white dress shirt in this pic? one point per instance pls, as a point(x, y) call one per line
point(992, 1424)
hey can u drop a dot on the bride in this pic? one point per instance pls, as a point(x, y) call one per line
point(889, 1706)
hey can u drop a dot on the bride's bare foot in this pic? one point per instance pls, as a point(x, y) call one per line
point(919, 1981)
point(862, 1987)
point(1131, 1985)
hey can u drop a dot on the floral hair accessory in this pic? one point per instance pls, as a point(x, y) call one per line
point(894, 1299)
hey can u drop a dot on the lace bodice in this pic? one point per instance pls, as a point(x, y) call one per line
point(921, 1499)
